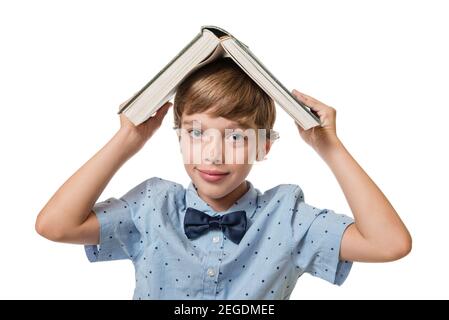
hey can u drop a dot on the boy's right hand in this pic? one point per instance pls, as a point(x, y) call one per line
point(137, 136)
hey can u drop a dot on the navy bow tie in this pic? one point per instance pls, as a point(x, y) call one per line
point(197, 222)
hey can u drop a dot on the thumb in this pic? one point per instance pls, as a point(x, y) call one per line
point(160, 114)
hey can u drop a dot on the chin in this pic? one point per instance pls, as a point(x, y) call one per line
point(214, 190)
point(212, 194)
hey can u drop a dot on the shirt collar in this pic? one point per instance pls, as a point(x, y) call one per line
point(247, 202)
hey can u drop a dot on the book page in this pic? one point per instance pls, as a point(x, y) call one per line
point(272, 86)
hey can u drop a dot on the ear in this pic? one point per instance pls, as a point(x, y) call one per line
point(177, 132)
point(266, 149)
point(268, 145)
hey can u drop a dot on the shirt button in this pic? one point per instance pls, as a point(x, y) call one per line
point(216, 239)
point(210, 272)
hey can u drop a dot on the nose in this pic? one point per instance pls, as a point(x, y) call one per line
point(212, 151)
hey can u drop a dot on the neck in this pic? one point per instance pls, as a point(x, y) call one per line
point(224, 203)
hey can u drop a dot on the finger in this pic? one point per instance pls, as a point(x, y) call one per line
point(162, 111)
point(302, 96)
point(165, 107)
point(311, 102)
point(159, 115)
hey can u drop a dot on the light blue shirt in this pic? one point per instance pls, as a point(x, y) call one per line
point(285, 237)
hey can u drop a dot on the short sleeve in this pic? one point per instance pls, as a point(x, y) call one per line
point(120, 238)
point(317, 235)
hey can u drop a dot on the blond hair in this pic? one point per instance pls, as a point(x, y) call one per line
point(224, 90)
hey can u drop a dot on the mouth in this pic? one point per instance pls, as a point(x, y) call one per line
point(212, 175)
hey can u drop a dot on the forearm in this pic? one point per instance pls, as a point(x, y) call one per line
point(375, 218)
point(70, 206)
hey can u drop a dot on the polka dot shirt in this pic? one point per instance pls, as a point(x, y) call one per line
point(285, 238)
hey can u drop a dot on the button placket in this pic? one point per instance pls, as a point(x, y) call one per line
point(213, 263)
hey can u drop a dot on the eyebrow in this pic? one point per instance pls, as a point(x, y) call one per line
point(237, 125)
point(188, 122)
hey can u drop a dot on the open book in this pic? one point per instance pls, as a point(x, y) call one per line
point(212, 43)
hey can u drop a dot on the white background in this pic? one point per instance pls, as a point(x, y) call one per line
point(66, 66)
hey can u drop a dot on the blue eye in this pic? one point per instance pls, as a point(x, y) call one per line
point(195, 133)
point(236, 137)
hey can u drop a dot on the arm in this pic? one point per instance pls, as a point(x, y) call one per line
point(378, 234)
point(68, 215)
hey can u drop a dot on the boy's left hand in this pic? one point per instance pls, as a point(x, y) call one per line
point(323, 137)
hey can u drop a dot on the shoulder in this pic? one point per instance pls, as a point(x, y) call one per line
point(284, 192)
point(281, 198)
point(158, 186)
point(154, 187)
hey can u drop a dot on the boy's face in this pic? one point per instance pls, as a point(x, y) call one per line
point(218, 153)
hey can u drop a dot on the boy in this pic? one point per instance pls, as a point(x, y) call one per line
point(221, 238)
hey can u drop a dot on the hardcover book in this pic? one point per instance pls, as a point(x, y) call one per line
point(209, 44)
